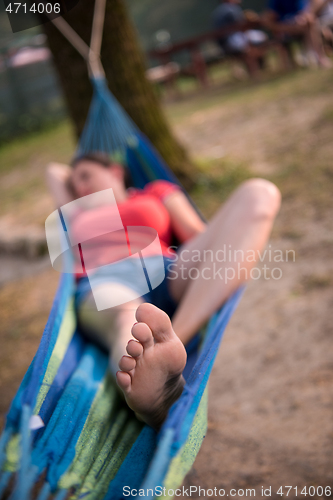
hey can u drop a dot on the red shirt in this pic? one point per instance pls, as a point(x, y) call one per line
point(143, 208)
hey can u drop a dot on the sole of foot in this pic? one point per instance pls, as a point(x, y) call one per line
point(151, 375)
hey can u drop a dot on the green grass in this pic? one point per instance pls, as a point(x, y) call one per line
point(216, 181)
point(55, 143)
point(23, 191)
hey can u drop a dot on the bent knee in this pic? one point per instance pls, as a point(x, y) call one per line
point(262, 198)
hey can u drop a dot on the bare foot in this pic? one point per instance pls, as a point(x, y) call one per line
point(151, 376)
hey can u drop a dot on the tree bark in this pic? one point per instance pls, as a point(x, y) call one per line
point(124, 66)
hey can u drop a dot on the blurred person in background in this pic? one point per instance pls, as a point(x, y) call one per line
point(294, 20)
point(323, 9)
point(240, 44)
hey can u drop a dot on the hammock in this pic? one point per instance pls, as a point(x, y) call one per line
point(68, 432)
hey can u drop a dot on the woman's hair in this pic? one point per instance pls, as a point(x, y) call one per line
point(100, 158)
point(105, 161)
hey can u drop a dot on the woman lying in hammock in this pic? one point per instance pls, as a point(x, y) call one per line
point(195, 287)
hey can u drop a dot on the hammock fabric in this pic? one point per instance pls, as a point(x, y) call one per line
point(91, 445)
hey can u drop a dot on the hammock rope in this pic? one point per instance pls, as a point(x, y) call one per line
point(91, 54)
point(97, 35)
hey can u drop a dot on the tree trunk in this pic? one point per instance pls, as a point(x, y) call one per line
point(124, 66)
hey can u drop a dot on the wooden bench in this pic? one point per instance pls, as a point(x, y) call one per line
point(198, 65)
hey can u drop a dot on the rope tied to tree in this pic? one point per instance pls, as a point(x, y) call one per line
point(91, 54)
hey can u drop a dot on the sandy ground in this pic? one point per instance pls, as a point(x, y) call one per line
point(270, 413)
point(270, 409)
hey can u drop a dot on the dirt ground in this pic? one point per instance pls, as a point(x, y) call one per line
point(270, 410)
point(271, 404)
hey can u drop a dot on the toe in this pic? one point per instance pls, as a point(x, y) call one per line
point(127, 363)
point(134, 348)
point(124, 381)
point(143, 334)
point(157, 320)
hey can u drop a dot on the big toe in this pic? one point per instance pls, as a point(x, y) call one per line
point(157, 320)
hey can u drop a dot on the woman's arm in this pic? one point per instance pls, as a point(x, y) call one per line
point(185, 221)
point(58, 177)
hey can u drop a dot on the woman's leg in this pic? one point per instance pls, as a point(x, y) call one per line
point(110, 328)
point(242, 224)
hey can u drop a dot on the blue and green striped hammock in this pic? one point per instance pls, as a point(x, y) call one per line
point(91, 445)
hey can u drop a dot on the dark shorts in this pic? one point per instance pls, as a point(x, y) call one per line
point(159, 296)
